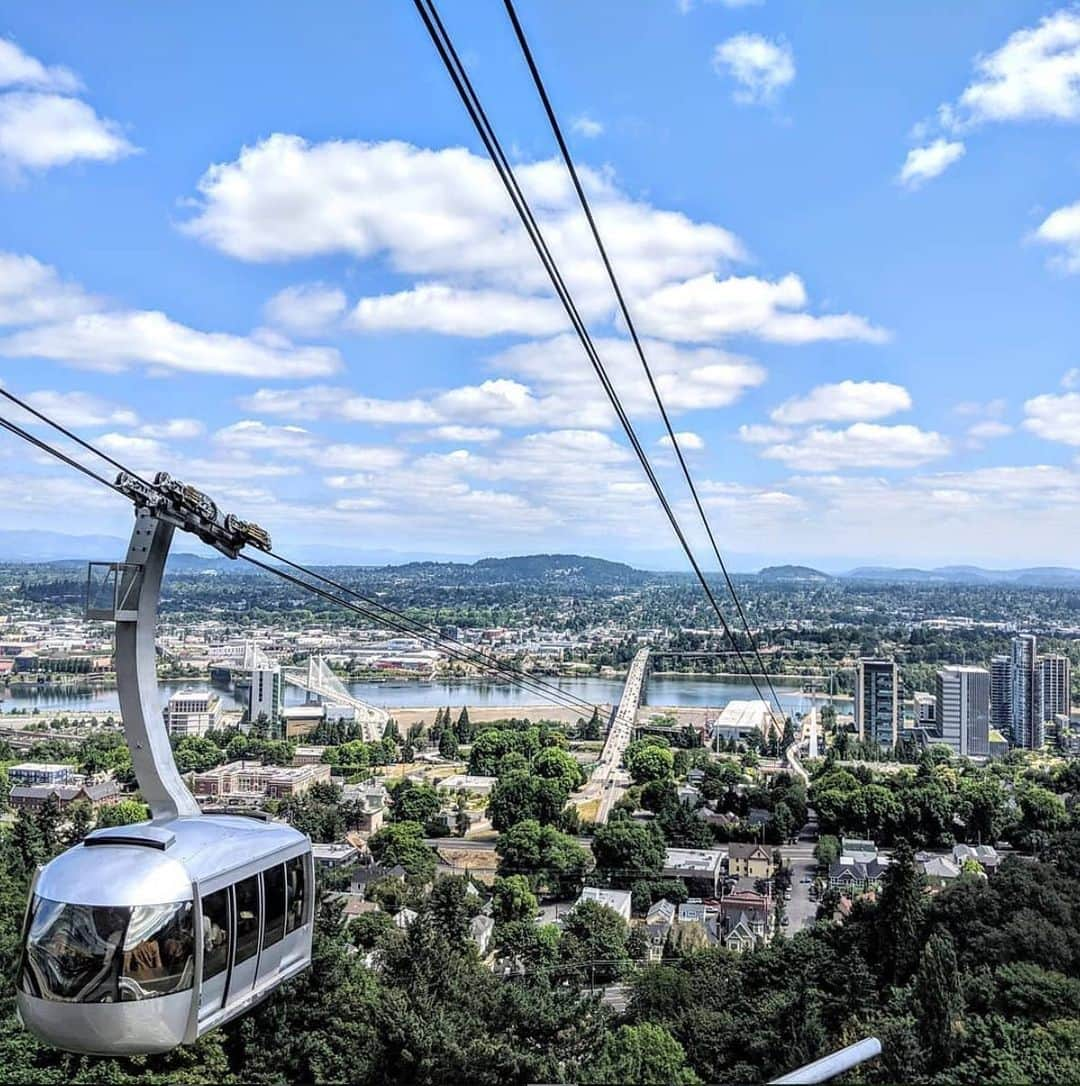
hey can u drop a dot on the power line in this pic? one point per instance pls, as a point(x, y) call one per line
point(561, 697)
point(430, 634)
point(459, 76)
point(625, 309)
point(535, 685)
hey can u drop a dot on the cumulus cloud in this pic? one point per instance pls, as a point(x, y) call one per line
point(1055, 418)
point(988, 430)
point(80, 409)
point(846, 401)
point(760, 66)
point(32, 292)
point(307, 309)
point(1062, 228)
point(760, 434)
point(465, 434)
point(924, 163)
point(586, 126)
point(435, 307)
point(707, 308)
point(861, 445)
point(68, 325)
point(19, 69)
point(687, 440)
point(1035, 75)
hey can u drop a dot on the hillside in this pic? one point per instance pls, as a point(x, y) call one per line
point(793, 573)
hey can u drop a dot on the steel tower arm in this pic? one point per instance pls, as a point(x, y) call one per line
point(128, 594)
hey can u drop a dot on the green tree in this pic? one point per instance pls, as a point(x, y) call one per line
point(827, 850)
point(647, 1053)
point(520, 796)
point(196, 754)
point(626, 850)
point(464, 729)
point(557, 765)
point(403, 843)
point(647, 761)
point(900, 913)
point(552, 858)
point(415, 803)
point(938, 998)
point(594, 940)
point(448, 744)
point(512, 899)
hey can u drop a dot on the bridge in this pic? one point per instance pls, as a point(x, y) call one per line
point(319, 681)
point(607, 781)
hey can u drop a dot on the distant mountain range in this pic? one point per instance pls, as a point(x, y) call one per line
point(570, 570)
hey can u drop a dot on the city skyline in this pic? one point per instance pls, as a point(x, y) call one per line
point(316, 304)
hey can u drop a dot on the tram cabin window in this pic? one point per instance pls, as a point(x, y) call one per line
point(296, 880)
point(215, 909)
point(273, 904)
point(247, 918)
point(107, 954)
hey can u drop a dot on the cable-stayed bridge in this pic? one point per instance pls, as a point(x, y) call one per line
point(319, 680)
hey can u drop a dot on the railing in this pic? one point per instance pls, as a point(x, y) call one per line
point(836, 1063)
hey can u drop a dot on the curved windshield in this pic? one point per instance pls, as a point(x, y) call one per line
point(107, 954)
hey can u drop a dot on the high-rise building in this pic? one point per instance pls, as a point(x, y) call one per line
point(1052, 687)
point(1025, 728)
point(876, 702)
point(265, 696)
point(1000, 696)
point(963, 709)
point(925, 706)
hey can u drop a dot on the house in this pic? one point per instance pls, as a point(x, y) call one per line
point(749, 860)
point(986, 856)
point(480, 931)
point(858, 849)
point(939, 870)
point(618, 900)
point(746, 913)
point(688, 793)
point(369, 801)
point(692, 911)
point(741, 937)
point(366, 876)
point(695, 865)
point(32, 797)
point(337, 854)
point(404, 918)
point(856, 876)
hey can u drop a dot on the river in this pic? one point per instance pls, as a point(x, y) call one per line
point(664, 690)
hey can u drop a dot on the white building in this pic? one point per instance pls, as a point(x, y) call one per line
point(619, 900)
point(740, 718)
point(192, 712)
point(264, 698)
point(963, 709)
point(925, 710)
point(1052, 687)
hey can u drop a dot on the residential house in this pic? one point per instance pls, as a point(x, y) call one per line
point(480, 931)
point(336, 854)
point(404, 918)
point(986, 856)
point(852, 876)
point(857, 849)
point(749, 860)
point(939, 870)
point(745, 911)
point(619, 900)
point(692, 911)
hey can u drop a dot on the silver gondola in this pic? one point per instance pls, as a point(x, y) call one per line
point(144, 937)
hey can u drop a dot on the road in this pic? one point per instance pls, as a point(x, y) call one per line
point(801, 909)
point(608, 781)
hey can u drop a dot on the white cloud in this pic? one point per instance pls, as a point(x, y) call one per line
point(988, 430)
point(439, 213)
point(39, 131)
point(32, 292)
point(327, 402)
point(586, 126)
point(1071, 378)
point(129, 447)
point(113, 341)
point(19, 69)
point(924, 163)
point(759, 434)
point(687, 440)
point(307, 309)
point(706, 308)
point(761, 67)
point(435, 307)
point(252, 434)
point(861, 445)
point(1062, 228)
point(177, 429)
point(468, 434)
point(1054, 418)
point(846, 401)
point(1035, 75)
point(79, 409)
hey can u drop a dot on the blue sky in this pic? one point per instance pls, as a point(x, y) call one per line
point(265, 252)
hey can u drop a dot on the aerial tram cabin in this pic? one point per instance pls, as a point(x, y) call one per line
point(144, 937)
